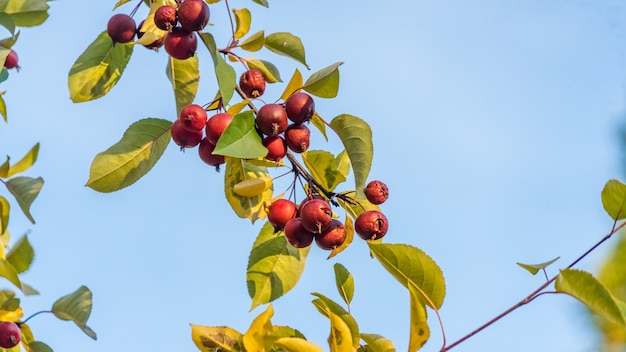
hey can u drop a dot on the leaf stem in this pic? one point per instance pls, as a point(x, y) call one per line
point(535, 293)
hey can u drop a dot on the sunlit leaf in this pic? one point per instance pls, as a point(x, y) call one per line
point(236, 108)
point(7, 22)
point(356, 136)
point(3, 107)
point(21, 255)
point(377, 343)
point(349, 227)
point(286, 44)
point(294, 344)
point(8, 272)
point(339, 339)
point(412, 267)
point(293, 86)
point(613, 198)
point(259, 335)
point(210, 338)
point(5, 209)
point(323, 167)
point(240, 139)
point(24, 164)
point(317, 121)
point(76, 307)
point(286, 331)
point(534, 268)
point(238, 170)
point(325, 305)
point(185, 77)
point(325, 82)
point(270, 72)
point(226, 76)
point(98, 69)
point(26, 13)
point(133, 156)
point(151, 33)
point(254, 42)
point(345, 282)
point(263, 3)
point(587, 289)
point(25, 190)
point(38, 346)
point(419, 331)
point(274, 266)
point(253, 187)
point(243, 18)
point(120, 3)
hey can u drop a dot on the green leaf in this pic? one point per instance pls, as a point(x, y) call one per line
point(3, 107)
point(21, 255)
point(243, 18)
point(356, 136)
point(254, 42)
point(419, 330)
point(323, 167)
point(240, 139)
point(286, 44)
point(286, 331)
point(294, 85)
point(4, 75)
point(263, 3)
point(587, 289)
point(210, 338)
point(133, 156)
point(238, 170)
point(613, 198)
point(76, 307)
point(345, 282)
point(10, 41)
point(274, 266)
point(226, 76)
point(185, 78)
point(377, 343)
point(325, 82)
point(8, 272)
point(98, 69)
point(25, 190)
point(317, 121)
point(7, 22)
point(534, 268)
point(120, 3)
point(412, 267)
point(24, 164)
point(38, 346)
point(26, 13)
point(295, 344)
point(325, 305)
point(270, 72)
point(258, 337)
point(5, 209)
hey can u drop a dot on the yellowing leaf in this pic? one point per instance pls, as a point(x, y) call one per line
point(14, 315)
point(5, 209)
point(325, 82)
point(377, 343)
point(185, 77)
point(210, 338)
point(614, 198)
point(254, 42)
point(253, 187)
point(243, 20)
point(76, 307)
point(420, 332)
point(349, 226)
point(294, 85)
point(25, 190)
point(24, 164)
point(340, 339)
point(238, 170)
point(270, 72)
point(258, 338)
point(295, 344)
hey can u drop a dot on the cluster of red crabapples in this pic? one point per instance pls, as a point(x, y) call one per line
point(180, 23)
point(313, 220)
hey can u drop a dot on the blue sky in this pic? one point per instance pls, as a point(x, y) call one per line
point(495, 127)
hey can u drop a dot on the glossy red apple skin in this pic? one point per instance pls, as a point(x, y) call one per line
point(216, 125)
point(316, 215)
point(280, 212)
point(180, 43)
point(300, 107)
point(296, 235)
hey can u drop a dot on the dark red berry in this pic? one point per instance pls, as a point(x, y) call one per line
point(184, 138)
point(333, 237)
point(10, 334)
point(276, 148)
point(316, 215)
point(180, 43)
point(11, 60)
point(205, 150)
point(193, 15)
point(371, 225)
point(121, 28)
point(376, 192)
point(272, 119)
point(252, 83)
point(300, 107)
point(165, 17)
point(298, 138)
point(280, 212)
point(297, 235)
point(193, 117)
point(216, 125)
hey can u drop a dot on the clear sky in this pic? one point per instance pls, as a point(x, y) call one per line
point(495, 127)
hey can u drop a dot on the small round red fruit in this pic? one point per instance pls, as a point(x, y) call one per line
point(193, 15)
point(121, 28)
point(276, 148)
point(180, 43)
point(297, 235)
point(371, 225)
point(216, 125)
point(10, 334)
point(205, 150)
point(376, 192)
point(280, 212)
point(184, 138)
point(316, 215)
point(193, 117)
point(300, 107)
point(333, 237)
point(298, 138)
point(165, 17)
point(252, 83)
point(272, 119)
point(11, 60)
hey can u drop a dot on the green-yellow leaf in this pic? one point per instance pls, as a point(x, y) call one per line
point(76, 307)
point(243, 18)
point(263, 3)
point(24, 164)
point(8, 272)
point(133, 156)
point(120, 3)
point(534, 268)
point(339, 339)
point(25, 190)
point(318, 122)
point(254, 42)
point(98, 69)
point(286, 44)
point(613, 199)
point(323, 167)
point(269, 71)
point(38, 346)
point(240, 139)
point(253, 187)
point(210, 338)
point(274, 266)
point(349, 226)
point(236, 108)
point(259, 335)
point(587, 289)
point(185, 77)
point(294, 85)
point(295, 344)
point(412, 267)
point(419, 331)
point(345, 282)
point(3, 108)
point(378, 343)
point(325, 82)
point(5, 209)
point(356, 136)
point(26, 13)
point(21, 255)
point(238, 170)
point(325, 305)
point(226, 76)
point(7, 22)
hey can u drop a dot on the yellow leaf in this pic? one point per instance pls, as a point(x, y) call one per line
point(258, 337)
point(295, 344)
point(420, 332)
point(209, 338)
point(243, 19)
point(340, 338)
point(253, 187)
point(293, 86)
point(14, 316)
